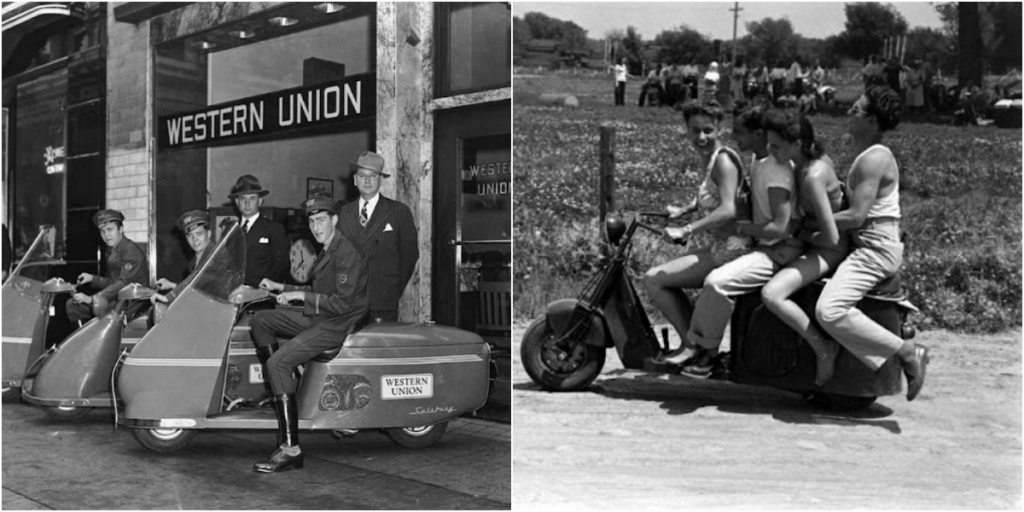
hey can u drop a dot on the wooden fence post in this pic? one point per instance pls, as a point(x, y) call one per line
point(606, 183)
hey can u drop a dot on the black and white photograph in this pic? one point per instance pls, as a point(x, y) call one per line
point(767, 255)
point(257, 255)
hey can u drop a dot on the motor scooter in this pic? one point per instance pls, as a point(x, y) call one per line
point(26, 311)
point(564, 350)
point(190, 371)
point(74, 377)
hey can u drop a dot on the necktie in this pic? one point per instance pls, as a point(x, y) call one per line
point(364, 216)
point(246, 224)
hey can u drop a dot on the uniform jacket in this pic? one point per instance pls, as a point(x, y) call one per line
point(126, 264)
point(194, 264)
point(338, 292)
point(266, 252)
point(388, 242)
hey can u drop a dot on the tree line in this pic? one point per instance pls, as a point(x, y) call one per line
point(996, 39)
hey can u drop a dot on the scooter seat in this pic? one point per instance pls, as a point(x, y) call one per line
point(329, 354)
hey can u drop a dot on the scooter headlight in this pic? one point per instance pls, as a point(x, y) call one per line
point(614, 228)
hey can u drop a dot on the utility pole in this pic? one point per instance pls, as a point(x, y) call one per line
point(735, 19)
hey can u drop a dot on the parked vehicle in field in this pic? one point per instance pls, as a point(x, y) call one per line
point(565, 349)
point(193, 368)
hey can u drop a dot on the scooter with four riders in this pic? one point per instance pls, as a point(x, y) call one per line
point(194, 368)
point(564, 350)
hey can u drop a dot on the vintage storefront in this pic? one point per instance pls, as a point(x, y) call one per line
point(154, 109)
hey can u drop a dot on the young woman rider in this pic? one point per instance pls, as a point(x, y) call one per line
point(710, 244)
point(820, 194)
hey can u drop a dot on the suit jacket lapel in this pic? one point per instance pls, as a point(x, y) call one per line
point(252, 236)
point(379, 218)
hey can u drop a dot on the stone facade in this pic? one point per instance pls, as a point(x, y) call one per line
point(129, 106)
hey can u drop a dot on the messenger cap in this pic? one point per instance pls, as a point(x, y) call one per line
point(104, 216)
point(191, 219)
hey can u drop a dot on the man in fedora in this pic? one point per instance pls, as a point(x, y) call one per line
point(385, 233)
point(266, 244)
point(126, 264)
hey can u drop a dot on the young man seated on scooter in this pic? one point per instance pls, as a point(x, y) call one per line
point(873, 219)
point(195, 225)
point(773, 207)
point(126, 264)
point(331, 306)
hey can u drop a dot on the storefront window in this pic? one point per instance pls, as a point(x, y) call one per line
point(474, 51)
point(289, 103)
point(39, 171)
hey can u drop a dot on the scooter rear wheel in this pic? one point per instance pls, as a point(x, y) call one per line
point(164, 440)
point(417, 437)
point(67, 413)
point(555, 369)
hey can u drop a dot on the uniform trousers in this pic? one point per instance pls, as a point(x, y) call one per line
point(82, 311)
point(877, 255)
point(742, 275)
point(310, 336)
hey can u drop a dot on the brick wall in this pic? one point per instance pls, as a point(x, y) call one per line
point(128, 120)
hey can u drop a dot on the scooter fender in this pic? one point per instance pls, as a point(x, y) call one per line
point(25, 317)
point(81, 365)
point(559, 315)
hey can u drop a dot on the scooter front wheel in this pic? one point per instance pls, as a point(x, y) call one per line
point(10, 394)
point(67, 413)
point(560, 368)
point(164, 440)
point(417, 437)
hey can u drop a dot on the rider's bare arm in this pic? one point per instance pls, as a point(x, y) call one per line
point(778, 227)
point(865, 179)
point(674, 212)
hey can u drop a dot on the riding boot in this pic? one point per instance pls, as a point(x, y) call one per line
point(263, 354)
point(288, 430)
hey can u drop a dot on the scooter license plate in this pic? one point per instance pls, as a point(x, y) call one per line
point(256, 373)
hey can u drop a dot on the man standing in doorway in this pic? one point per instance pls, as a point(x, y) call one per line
point(266, 255)
point(126, 264)
point(384, 231)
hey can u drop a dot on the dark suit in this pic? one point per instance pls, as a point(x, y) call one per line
point(390, 254)
point(126, 264)
point(334, 302)
point(266, 254)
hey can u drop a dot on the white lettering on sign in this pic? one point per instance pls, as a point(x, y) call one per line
point(398, 387)
point(490, 169)
point(317, 104)
point(201, 126)
point(493, 189)
point(54, 159)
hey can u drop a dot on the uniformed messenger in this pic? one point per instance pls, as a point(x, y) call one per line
point(195, 225)
point(126, 264)
point(334, 302)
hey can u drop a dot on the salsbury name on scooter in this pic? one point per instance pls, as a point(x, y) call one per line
point(432, 410)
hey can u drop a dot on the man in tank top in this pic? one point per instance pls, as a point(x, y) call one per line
point(873, 219)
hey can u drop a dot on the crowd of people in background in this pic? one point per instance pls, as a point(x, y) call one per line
point(802, 86)
point(797, 85)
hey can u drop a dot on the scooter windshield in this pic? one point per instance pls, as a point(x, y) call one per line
point(225, 269)
point(39, 254)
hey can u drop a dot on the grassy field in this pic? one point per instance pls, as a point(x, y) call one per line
point(960, 194)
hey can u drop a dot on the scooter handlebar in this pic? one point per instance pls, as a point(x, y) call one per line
point(245, 294)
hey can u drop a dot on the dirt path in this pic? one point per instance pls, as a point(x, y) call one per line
point(638, 440)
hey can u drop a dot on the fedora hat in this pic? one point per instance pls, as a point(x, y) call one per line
point(247, 184)
point(372, 162)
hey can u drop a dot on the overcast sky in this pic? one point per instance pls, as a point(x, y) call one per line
point(714, 19)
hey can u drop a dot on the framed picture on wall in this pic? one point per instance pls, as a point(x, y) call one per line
point(319, 186)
